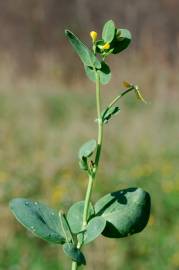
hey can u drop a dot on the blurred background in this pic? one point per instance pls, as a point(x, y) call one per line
point(47, 110)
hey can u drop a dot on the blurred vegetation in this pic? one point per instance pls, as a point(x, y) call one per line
point(30, 30)
point(47, 115)
point(42, 125)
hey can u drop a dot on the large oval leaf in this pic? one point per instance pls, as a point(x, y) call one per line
point(86, 55)
point(126, 212)
point(104, 73)
point(75, 216)
point(41, 220)
point(108, 31)
point(74, 253)
point(121, 41)
point(94, 228)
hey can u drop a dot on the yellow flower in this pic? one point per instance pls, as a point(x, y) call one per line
point(106, 46)
point(93, 35)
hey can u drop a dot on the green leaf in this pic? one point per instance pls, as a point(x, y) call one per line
point(121, 41)
point(86, 55)
point(94, 228)
point(74, 253)
point(75, 216)
point(104, 73)
point(108, 31)
point(87, 149)
point(126, 212)
point(66, 228)
point(41, 220)
point(83, 164)
point(108, 113)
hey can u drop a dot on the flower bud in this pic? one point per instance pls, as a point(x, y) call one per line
point(127, 84)
point(93, 35)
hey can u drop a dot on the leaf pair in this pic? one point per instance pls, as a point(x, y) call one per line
point(94, 227)
point(47, 224)
point(117, 214)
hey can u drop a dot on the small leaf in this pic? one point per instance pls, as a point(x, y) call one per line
point(94, 228)
point(121, 41)
point(80, 237)
point(108, 113)
point(86, 55)
point(74, 253)
point(41, 220)
point(75, 216)
point(104, 73)
point(83, 164)
point(139, 95)
point(126, 212)
point(108, 31)
point(87, 149)
point(65, 227)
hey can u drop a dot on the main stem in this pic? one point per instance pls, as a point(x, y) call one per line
point(74, 265)
point(92, 174)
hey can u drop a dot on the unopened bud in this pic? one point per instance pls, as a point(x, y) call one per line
point(93, 35)
point(127, 84)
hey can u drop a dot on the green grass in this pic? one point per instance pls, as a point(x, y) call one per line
point(42, 126)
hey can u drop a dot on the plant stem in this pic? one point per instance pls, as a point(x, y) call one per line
point(74, 265)
point(87, 200)
point(100, 123)
point(121, 95)
point(92, 174)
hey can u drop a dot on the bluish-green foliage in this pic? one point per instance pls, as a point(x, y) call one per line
point(116, 215)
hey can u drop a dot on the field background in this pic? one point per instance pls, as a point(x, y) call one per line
point(47, 110)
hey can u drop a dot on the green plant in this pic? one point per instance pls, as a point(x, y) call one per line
point(117, 214)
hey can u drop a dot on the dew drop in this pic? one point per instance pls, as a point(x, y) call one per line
point(32, 228)
point(52, 213)
point(26, 203)
point(35, 203)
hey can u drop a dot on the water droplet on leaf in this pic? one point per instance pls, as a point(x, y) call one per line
point(32, 228)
